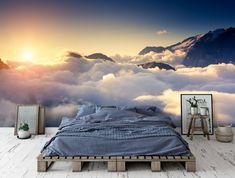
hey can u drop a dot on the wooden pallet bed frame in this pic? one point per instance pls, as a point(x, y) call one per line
point(116, 163)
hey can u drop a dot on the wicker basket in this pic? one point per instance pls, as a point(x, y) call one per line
point(223, 137)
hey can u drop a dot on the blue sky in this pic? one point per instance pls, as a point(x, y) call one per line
point(174, 14)
point(107, 26)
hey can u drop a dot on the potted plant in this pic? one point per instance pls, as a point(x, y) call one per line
point(193, 105)
point(24, 131)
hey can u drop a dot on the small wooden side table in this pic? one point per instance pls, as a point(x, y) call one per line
point(192, 128)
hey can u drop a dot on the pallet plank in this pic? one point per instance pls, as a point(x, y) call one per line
point(113, 158)
point(84, 157)
point(121, 166)
point(190, 166)
point(70, 157)
point(155, 166)
point(148, 157)
point(76, 157)
point(133, 157)
point(141, 158)
point(42, 166)
point(170, 157)
point(77, 166)
point(163, 157)
point(112, 166)
point(119, 157)
point(177, 157)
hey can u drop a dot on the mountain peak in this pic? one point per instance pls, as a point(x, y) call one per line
point(154, 64)
point(183, 46)
point(155, 49)
point(217, 46)
point(214, 47)
point(186, 44)
point(100, 56)
point(74, 54)
point(3, 65)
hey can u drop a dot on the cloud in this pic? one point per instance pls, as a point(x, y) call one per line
point(223, 111)
point(7, 118)
point(55, 113)
point(108, 77)
point(122, 58)
point(170, 57)
point(62, 86)
point(162, 32)
point(167, 56)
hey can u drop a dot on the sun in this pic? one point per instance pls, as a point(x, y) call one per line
point(27, 54)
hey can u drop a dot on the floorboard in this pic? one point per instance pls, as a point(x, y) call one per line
point(18, 159)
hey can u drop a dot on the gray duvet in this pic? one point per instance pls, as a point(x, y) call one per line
point(115, 132)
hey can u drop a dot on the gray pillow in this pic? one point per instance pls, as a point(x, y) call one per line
point(100, 108)
point(86, 109)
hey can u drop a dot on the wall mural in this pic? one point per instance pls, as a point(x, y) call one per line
point(199, 64)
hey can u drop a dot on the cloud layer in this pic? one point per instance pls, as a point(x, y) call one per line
point(162, 32)
point(223, 103)
point(170, 57)
point(62, 86)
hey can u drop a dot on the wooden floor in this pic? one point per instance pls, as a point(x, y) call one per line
point(18, 159)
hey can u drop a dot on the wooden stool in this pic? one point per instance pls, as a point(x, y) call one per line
point(192, 128)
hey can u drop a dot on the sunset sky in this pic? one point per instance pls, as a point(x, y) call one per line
point(43, 30)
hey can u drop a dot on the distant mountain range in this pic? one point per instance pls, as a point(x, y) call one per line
point(201, 50)
point(148, 49)
point(92, 56)
point(74, 54)
point(160, 65)
point(100, 56)
point(214, 47)
point(3, 65)
point(185, 45)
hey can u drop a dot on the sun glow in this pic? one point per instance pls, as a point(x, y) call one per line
point(27, 54)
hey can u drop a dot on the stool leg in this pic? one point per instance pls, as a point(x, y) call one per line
point(193, 128)
point(203, 128)
point(206, 129)
point(190, 127)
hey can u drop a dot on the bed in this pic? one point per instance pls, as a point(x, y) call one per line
point(117, 135)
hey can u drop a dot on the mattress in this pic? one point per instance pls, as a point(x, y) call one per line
point(117, 132)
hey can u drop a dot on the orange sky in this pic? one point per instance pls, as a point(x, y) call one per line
point(49, 40)
point(47, 35)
